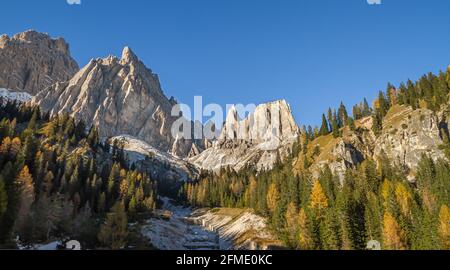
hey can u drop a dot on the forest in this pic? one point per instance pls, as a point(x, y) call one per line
point(58, 181)
point(374, 202)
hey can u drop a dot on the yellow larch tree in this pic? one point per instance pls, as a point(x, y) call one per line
point(394, 238)
point(319, 201)
point(273, 196)
point(444, 226)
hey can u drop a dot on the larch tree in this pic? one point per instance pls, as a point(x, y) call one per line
point(273, 196)
point(403, 197)
point(319, 201)
point(25, 186)
point(394, 237)
point(444, 226)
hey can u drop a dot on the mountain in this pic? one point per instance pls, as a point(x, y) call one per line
point(32, 61)
point(120, 96)
point(406, 136)
point(259, 141)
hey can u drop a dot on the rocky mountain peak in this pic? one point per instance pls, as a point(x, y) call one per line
point(31, 61)
point(258, 140)
point(269, 121)
point(128, 56)
point(120, 96)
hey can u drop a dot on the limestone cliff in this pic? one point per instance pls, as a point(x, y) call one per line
point(407, 134)
point(33, 61)
point(258, 141)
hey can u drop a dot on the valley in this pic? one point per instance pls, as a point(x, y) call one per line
point(90, 154)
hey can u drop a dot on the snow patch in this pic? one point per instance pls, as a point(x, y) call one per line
point(18, 96)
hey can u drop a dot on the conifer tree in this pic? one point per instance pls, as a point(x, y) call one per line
point(404, 199)
point(342, 115)
point(319, 201)
point(291, 222)
point(114, 232)
point(366, 111)
point(273, 196)
point(24, 182)
point(329, 231)
point(444, 226)
point(335, 125)
point(305, 240)
point(324, 129)
point(394, 237)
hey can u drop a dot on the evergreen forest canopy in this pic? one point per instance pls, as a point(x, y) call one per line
point(57, 181)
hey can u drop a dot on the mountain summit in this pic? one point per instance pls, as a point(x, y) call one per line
point(32, 61)
point(258, 141)
point(120, 96)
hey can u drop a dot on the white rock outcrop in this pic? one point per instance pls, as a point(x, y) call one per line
point(258, 141)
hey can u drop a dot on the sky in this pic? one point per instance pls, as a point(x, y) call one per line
point(313, 53)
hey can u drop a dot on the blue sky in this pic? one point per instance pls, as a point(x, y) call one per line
point(313, 53)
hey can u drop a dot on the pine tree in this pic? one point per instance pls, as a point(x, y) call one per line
point(329, 231)
point(377, 125)
point(335, 125)
point(291, 222)
point(342, 115)
point(366, 111)
point(34, 118)
point(357, 113)
point(93, 138)
point(305, 240)
point(114, 232)
point(324, 129)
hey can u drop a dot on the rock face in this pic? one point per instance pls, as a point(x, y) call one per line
point(407, 134)
point(238, 229)
point(32, 61)
point(120, 96)
point(257, 141)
